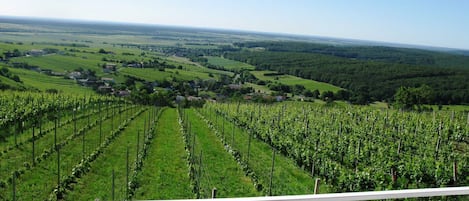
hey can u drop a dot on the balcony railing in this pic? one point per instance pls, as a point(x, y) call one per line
point(371, 195)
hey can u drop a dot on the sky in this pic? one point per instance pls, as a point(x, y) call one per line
point(440, 23)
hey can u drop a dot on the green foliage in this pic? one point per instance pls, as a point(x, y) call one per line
point(367, 81)
point(408, 97)
point(356, 148)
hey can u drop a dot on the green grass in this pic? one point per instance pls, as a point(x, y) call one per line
point(98, 182)
point(288, 179)
point(165, 172)
point(61, 63)
point(195, 67)
point(42, 82)
point(154, 74)
point(229, 64)
point(293, 80)
point(219, 168)
point(259, 88)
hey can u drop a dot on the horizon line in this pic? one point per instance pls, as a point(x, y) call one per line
point(303, 36)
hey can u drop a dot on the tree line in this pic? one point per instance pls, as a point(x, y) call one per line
point(367, 80)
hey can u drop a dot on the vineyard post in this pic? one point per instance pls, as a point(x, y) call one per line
point(249, 147)
point(58, 159)
point(59, 109)
point(107, 109)
point(214, 193)
point(100, 128)
point(40, 125)
point(216, 118)
point(455, 171)
point(88, 119)
point(316, 185)
point(13, 182)
point(223, 129)
point(138, 142)
point(437, 148)
point(199, 175)
point(112, 119)
point(74, 121)
point(272, 171)
point(113, 185)
point(233, 136)
point(312, 167)
point(17, 132)
point(33, 138)
point(193, 143)
point(83, 144)
point(127, 175)
point(120, 114)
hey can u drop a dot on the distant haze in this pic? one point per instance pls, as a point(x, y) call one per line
point(419, 22)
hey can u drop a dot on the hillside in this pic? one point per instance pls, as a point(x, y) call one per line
point(369, 74)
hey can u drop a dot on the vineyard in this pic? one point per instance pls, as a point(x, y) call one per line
point(358, 149)
point(56, 147)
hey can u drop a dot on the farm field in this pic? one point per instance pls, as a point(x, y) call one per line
point(32, 79)
point(230, 65)
point(292, 80)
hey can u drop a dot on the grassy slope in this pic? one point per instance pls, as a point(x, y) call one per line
point(165, 172)
point(229, 64)
point(61, 63)
point(292, 80)
point(43, 82)
point(220, 170)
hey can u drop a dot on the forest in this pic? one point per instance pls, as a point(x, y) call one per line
point(369, 74)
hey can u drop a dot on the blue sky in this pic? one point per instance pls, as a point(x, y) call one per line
point(443, 23)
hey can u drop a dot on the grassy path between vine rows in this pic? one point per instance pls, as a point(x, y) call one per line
point(219, 169)
point(165, 171)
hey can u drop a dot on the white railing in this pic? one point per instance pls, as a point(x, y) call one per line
point(371, 195)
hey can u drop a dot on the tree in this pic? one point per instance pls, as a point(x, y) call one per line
point(102, 51)
point(316, 94)
point(408, 97)
point(327, 96)
point(342, 95)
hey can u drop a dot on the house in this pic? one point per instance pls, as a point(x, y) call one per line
point(53, 73)
point(280, 98)
point(108, 80)
point(180, 98)
point(105, 89)
point(75, 75)
point(235, 86)
point(135, 65)
point(36, 53)
point(123, 93)
point(193, 98)
point(109, 68)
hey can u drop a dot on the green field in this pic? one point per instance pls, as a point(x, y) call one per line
point(292, 80)
point(32, 79)
point(228, 64)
